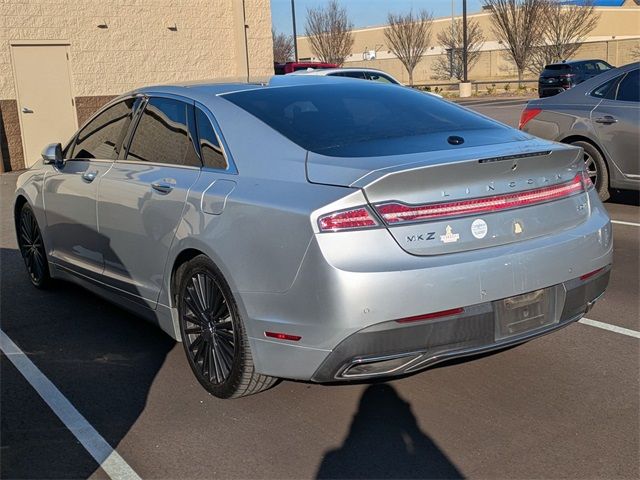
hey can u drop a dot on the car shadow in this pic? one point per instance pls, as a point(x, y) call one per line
point(102, 358)
point(385, 441)
point(625, 197)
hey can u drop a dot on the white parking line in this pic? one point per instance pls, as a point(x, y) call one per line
point(108, 459)
point(631, 224)
point(611, 328)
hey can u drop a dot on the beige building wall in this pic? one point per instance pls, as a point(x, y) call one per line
point(115, 46)
point(613, 40)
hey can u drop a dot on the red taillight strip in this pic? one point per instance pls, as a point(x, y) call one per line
point(355, 218)
point(282, 336)
point(591, 274)
point(431, 316)
point(398, 212)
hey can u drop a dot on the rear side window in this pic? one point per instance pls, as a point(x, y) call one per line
point(604, 90)
point(629, 89)
point(377, 77)
point(210, 149)
point(340, 119)
point(162, 134)
point(102, 137)
point(359, 75)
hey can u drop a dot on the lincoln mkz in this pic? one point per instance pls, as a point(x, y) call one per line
point(317, 229)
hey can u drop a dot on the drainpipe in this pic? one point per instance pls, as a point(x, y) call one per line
point(246, 41)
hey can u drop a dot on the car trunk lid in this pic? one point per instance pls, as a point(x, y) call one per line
point(467, 198)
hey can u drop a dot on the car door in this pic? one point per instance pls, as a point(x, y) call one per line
point(616, 121)
point(142, 197)
point(70, 192)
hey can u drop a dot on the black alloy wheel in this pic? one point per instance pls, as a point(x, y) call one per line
point(213, 333)
point(32, 247)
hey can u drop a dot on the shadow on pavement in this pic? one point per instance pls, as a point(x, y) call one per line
point(102, 358)
point(625, 197)
point(385, 441)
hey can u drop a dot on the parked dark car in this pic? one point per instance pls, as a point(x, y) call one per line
point(602, 116)
point(290, 67)
point(558, 77)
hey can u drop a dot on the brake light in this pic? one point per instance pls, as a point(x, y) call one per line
point(355, 218)
point(431, 316)
point(395, 213)
point(527, 115)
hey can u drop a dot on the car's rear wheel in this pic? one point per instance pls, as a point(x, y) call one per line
point(32, 247)
point(596, 168)
point(213, 333)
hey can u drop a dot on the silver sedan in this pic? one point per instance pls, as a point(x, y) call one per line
point(321, 229)
point(602, 116)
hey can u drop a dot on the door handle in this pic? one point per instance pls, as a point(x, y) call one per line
point(606, 120)
point(89, 176)
point(26, 110)
point(162, 186)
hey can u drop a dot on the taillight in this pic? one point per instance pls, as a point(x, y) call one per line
point(587, 183)
point(395, 213)
point(527, 115)
point(355, 218)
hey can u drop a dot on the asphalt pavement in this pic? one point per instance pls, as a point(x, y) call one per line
point(566, 405)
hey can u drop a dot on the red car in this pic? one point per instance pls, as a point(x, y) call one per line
point(284, 68)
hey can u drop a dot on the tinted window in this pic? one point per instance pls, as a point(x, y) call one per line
point(557, 67)
point(603, 66)
point(359, 75)
point(162, 134)
point(102, 137)
point(603, 90)
point(358, 112)
point(629, 89)
point(210, 149)
point(377, 77)
point(589, 67)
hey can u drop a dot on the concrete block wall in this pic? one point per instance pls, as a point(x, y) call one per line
point(144, 42)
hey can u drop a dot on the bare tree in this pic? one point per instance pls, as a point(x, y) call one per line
point(282, 47)
point(329, 31)
point(451, 65)
point(565, 26)
point(518, 24)
point(408, 37)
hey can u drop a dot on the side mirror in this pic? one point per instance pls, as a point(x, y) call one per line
point(52, 154)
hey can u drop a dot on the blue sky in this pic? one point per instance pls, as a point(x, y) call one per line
point(363, 13)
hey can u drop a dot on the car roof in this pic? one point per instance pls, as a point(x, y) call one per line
point(329, 71)
point(576, 62)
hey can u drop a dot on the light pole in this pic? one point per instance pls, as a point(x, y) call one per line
point(295, 35)
point(464, 41)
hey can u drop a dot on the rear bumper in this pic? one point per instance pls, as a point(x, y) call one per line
point(346, 290)
point(391, 349)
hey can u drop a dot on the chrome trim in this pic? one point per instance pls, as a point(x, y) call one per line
point(365, 361)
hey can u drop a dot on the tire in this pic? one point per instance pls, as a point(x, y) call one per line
point(596, 168)
point(213, 333)
point(32, 248)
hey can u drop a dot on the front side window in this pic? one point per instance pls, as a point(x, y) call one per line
point(629, 89)
point(210, 149)
point(603, 67)
point(102, 137)
point(162, 135)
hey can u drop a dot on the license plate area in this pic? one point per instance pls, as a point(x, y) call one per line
point(525, 313)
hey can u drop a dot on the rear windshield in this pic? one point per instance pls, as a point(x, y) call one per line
point(558, 67)
point(342, 119)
